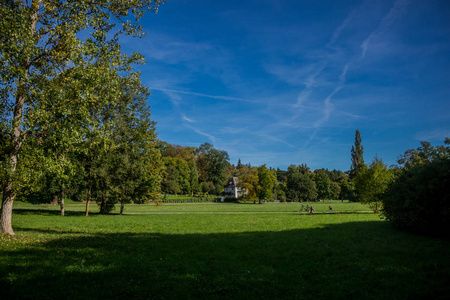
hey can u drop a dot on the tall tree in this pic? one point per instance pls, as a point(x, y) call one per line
point(266, 182)
point(357, 155)
point(41, 40)
point(135, 163)
point(170, 184)
point(249, 182)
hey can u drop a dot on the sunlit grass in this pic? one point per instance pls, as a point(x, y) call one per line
point(320, 207)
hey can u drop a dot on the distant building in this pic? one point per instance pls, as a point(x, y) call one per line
point(232, 190)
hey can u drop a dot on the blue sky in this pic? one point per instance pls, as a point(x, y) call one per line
point(288, 82)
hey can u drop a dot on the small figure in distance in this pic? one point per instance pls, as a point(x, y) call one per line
point(311, 210)
point(330, 208)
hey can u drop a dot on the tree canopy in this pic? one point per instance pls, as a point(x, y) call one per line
point(62, 55)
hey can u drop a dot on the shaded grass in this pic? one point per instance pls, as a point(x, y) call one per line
point(254, 256)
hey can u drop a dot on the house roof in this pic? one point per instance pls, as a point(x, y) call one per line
point(233, 181)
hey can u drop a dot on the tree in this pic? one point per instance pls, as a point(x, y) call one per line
point(347, 189)
point(300, 186)
point(372, 182)
point(335, 190)
point(184, 175)
point(39, 42)
point(218, 160)
point(170, 183)
point(357, 155)
point(193, 177)
point(424, 154)
point(249, 182)
point(266, 182)
point(239, 164)
point(212, 165)
point(135, 161)
point(281, 175)
point(323, 185)
point(419, 198)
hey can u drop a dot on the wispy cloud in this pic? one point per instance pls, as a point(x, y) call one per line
point(309, 83)
point(183, 116)
point(438, 134)
point(388, 20)
point(204, 95)
point(209, 136)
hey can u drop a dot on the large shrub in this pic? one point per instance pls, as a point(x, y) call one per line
point(419, 198)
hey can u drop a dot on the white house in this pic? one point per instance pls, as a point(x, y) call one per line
point(232, 190)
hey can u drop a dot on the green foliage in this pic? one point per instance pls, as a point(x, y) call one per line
point(266, 182)
point(187, 167)
point(300, 186)
point(372, 182)
point(217, 161)
point(280, 195)
point(347, 189)
point(60, 64)
point(419, 198)
point(357, 155)
point(335, 190)
point(195, 187)
point(323, 184)
point(424, 154)
point(207, 188)
point(249, 182)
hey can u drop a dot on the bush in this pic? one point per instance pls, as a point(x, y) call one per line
point(281, 196)
point(419, 198)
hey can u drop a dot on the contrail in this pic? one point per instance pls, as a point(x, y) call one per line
point(204, 95)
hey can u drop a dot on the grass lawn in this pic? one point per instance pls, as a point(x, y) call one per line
point(218, 251)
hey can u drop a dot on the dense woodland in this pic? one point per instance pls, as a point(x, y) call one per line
point(74, 122)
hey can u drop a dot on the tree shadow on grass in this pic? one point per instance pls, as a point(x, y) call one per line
point(363, 260)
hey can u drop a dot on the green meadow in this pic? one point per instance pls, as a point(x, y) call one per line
point(218, 251)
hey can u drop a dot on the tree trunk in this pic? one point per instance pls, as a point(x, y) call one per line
point(55, 199)
point(88, 199)
point(16, 139)
point(9, 194)
point(103, 204)
point(62, 201)
point(122, 205)
point(6, 211)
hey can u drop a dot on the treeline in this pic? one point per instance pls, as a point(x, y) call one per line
point(297, 183)
point(193, 171)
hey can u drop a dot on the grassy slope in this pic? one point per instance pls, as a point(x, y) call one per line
point(256, 256)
